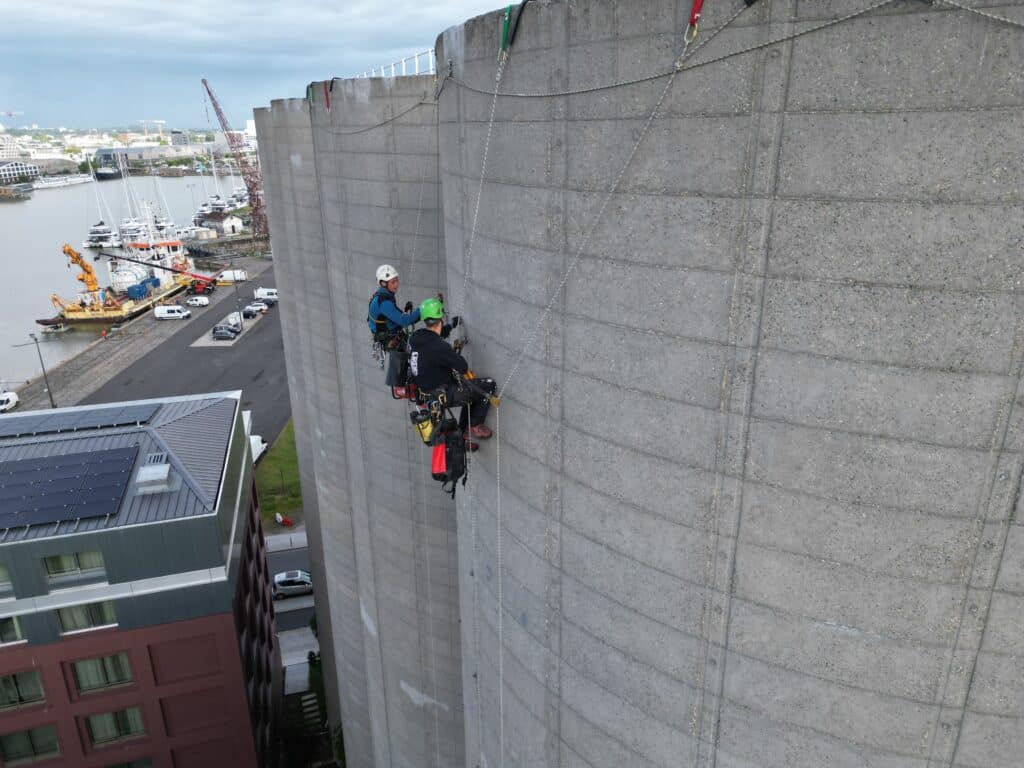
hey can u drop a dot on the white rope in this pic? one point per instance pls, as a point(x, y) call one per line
point(419, 215)
point(467, 259)
point(430, 602)
point(986, 14)
point(501, 596)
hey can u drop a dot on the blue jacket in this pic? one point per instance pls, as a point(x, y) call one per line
point(385, 315)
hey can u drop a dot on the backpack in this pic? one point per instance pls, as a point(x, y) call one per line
point(448, 463)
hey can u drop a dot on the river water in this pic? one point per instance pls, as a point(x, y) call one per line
point(32, 234)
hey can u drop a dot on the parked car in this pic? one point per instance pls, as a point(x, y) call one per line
point(224, 333)
point(171, 312)
point(8, 400)
point(291, 583)
point(198, 301)
point(249, 313)
point(262, 294)
point(258, 307)
point(262, 306)
point(234, 320)
point(258, 446)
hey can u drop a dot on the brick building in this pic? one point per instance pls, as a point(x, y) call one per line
point(136, 621)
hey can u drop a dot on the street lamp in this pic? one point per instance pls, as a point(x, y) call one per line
point(46, 380)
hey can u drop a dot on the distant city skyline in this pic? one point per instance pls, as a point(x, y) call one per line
point(110, 63)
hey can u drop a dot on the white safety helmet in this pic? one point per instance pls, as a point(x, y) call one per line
point(386, 272)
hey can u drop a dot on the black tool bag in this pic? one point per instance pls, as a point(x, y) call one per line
point(397, 374)
point(448, 464)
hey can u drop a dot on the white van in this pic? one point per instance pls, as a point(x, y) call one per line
point(265, 293)
point(234, 275)
point(171, 312)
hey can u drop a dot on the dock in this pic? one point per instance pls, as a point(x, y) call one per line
point(76, 379)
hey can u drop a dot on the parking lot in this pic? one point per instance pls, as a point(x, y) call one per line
point(253, 362)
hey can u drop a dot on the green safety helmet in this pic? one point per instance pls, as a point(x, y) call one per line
point(432, 309)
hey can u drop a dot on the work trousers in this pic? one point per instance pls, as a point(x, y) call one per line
point(474, 397)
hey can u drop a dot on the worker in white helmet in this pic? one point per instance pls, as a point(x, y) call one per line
point(384, 318)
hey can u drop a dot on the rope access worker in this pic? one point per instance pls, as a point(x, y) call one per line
point(434, 366)
point(385, 321)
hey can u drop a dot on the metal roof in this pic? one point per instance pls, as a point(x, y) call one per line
point(194, 431)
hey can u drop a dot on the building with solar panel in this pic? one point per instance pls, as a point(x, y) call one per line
point(136, 620)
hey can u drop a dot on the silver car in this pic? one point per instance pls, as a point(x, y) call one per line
point(291, 583)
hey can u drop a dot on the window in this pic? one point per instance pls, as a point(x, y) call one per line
point(37, 742)
point(10, 630)
point(112, 726)
point(79, 617)
point(20, 688)
point(73, 564)
point(104, 672)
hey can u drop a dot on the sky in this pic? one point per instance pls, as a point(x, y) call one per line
point(110, 63)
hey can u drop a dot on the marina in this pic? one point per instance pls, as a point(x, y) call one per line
point(35, 231)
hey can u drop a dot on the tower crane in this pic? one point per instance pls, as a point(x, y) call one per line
point(250, 173)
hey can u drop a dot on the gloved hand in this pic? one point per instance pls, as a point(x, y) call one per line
point(408, 307)
point(455, 321)
point(446, 330)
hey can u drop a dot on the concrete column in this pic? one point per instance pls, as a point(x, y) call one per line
point(759, 461)
point(294, 210)
point(376, 173)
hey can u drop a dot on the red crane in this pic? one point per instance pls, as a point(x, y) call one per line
point(250, 173)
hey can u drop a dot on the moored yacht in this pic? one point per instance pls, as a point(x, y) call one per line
point(102, 236)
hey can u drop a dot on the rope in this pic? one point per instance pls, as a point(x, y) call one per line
point(501, 596)
point(419, 215)
point(986, 14)
point(700, 64)
point(382, 123)
point(430, 601)
point(468, 258)
point(678, 68)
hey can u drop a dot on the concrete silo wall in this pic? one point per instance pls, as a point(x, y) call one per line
point(760, 461)
point(300, 266)
point(376, 151)
point(369, 195)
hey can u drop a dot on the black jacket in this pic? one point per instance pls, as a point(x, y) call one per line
point(433, 360)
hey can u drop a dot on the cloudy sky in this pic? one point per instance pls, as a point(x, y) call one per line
point(104, 63)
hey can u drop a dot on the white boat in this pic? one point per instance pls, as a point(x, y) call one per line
point(102, 236)
point(52, 182)
point(131, 228)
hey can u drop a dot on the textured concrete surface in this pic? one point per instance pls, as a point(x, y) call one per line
point(760, 463)
point(759, 466)
point(369, 195)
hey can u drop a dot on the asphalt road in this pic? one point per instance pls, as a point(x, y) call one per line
point(253, 364)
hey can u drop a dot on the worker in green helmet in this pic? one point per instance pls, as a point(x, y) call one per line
point(437, 368)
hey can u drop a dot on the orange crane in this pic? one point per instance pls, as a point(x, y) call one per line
point(88, 274)
point(250, 173)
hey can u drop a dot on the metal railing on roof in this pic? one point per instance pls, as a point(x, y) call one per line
point(423, 63)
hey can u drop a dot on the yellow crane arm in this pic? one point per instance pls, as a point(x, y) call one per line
point(88, 275)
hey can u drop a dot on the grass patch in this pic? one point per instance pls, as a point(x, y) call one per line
point(277, 479)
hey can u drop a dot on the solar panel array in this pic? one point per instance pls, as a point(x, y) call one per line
point(71, 421)
point(52, 489)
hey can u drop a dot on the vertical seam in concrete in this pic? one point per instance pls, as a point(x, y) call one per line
point(754, 348)
point(983, 515)
point(556, 600)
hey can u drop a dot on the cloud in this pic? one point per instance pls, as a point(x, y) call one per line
point(71, 63)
